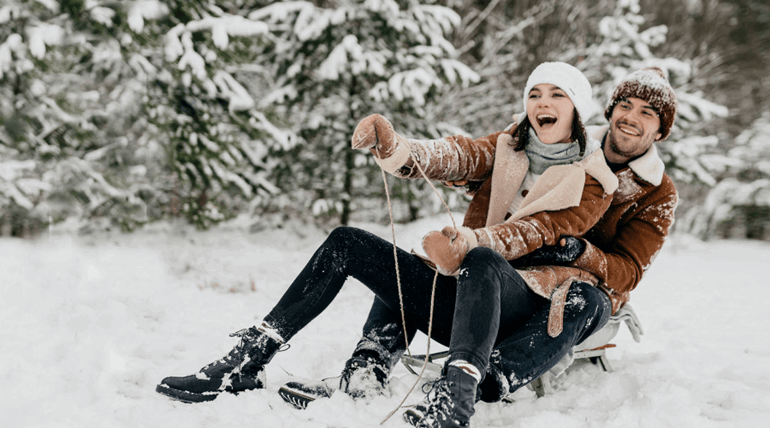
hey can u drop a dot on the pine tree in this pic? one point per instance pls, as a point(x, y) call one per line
point(623, 47)
point(334, 66)
point(201, 104)
point(739, 205)
point(69, 116)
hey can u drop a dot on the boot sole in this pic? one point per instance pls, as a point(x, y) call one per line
point(184, 396)
point(301, 393)
point(295, 398)
point(412, 417)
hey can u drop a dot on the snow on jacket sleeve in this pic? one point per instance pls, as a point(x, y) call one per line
point(514, 239)
point(451, 158)
point(634, 234)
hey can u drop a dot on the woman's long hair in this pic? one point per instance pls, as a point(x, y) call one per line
point(521, 134)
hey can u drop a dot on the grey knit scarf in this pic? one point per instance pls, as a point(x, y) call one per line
point(541, 155)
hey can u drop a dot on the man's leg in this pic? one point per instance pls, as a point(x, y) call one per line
point(529, 352)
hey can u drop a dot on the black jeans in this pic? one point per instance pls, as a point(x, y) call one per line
point(488, 305)
point(468, 311)
point(529, 352)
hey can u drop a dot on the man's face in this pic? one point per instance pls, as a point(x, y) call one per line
point(634, 126)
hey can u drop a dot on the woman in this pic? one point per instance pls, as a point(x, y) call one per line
point(538, 181)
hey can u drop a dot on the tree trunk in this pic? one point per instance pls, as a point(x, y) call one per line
point(347, 189)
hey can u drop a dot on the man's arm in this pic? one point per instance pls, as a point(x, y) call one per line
point(635, 245)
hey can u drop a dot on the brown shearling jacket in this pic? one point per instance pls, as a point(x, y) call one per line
point(626, 240)
point(567, 200)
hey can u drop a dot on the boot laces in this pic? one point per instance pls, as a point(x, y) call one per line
point(438, 403)
point(239, 353)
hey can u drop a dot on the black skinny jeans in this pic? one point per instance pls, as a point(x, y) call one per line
point(487, 305)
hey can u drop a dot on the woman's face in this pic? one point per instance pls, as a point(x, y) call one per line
point(550, 111)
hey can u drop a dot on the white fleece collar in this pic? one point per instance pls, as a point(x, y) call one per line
point(649, 167)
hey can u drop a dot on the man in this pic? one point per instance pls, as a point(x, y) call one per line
point(617, 251)
point(622, 246)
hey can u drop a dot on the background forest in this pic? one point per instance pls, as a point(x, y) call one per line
point(114, 114)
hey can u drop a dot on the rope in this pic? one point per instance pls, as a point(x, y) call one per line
point(427, 351)
point(434, 189)
point(398, 280)
point(395, 257)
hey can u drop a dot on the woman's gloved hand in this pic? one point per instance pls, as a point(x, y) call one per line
point(447, 249)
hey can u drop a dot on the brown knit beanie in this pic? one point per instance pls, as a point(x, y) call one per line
point(648, 84)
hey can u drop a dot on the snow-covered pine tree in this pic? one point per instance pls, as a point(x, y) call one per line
point(623, 47)
point(200, 101)
point(333, 67)
point(739, 205)
point(70, 117)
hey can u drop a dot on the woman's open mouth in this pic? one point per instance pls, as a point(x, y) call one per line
point(545, 119)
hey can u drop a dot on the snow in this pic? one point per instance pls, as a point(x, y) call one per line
point(144, 9)
point(41, 35)
point(90, 324)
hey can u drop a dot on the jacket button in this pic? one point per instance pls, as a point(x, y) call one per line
point(524, 192)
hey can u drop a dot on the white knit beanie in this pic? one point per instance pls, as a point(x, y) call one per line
point(569, 79)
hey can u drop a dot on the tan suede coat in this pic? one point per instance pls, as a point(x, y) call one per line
point(567, 200)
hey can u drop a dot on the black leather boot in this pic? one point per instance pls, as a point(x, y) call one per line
point(365, 375)
point(242, 369)
point(449, 404)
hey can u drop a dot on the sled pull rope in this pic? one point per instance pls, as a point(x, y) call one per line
point(398, 280)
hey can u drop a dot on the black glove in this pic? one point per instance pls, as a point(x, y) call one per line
point(565, 252)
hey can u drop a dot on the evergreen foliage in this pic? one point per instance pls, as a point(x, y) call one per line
point(121, 113)
point(202, 78)
point(333, 67)
point(71, 119)
point(739, 205)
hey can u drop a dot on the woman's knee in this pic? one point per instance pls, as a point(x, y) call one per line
point(482, 256)
point(346, 238)
point(339, 245)
point(481, 266)
point(342, 234)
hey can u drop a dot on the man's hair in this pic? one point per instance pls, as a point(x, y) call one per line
point(650, 85)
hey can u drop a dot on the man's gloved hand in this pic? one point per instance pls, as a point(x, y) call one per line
point(565, 252)
point(447, 248)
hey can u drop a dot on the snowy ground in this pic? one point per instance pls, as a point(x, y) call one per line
point(89, 325)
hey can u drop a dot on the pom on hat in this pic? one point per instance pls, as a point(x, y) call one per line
point(648, 84)
point(569, 79)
